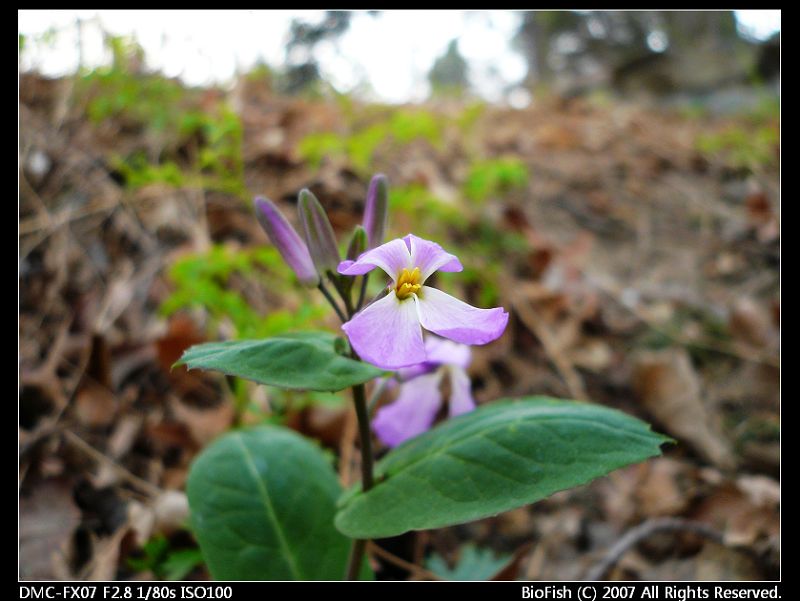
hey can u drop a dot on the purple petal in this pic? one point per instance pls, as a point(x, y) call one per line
point(387, 333)
point(430, 257)
point(408, 373)
point(461, 400)
point(447, 352)
point(454, 319)
point(376, 211)
point(288, 242)
point(412, 413)
point(392, 257)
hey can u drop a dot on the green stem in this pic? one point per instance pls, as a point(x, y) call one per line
point(332, 301)
point(356, 556)
point(365, 437)
point(344, 294)
point(362, 293)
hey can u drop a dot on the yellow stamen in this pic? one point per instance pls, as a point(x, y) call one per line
point(407, 283)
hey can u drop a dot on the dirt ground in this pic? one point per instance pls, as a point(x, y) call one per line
point(643, 275)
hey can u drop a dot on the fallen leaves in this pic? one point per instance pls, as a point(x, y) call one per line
point(669, 388)
point(48, 518)
point(626, 229)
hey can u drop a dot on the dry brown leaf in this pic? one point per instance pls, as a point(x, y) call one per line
point(751, 323)
point(124, 435)
point(714, 563)
point(204, 424)
point(668, 386)
point(663, 489)
point(95, 405)
point(746, 512)
point(104, 563)
point(47, 520)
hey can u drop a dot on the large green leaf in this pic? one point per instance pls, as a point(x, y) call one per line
point(262, 507)
point(498, 457)
point(300, 361)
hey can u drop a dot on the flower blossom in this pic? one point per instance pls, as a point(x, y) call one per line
point(388, 332)
point(420, 397)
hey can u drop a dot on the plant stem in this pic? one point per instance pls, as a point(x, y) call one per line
point(356, 556)
point(362, 292)
point(365, 437)
point(332, 301)
point(344, 294)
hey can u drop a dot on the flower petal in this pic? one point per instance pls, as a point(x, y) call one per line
point(430, 257)
point(461, 400)
point(412, 413)
point(387, 333)
point(392, 257)
point(454, 319)
point(447, 352)
point(411, 372)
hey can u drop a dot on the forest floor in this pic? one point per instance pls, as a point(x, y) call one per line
point(636, 249)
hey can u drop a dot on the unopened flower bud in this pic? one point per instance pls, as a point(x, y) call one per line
point(318, 233)
point(376, 211)
point(288, 242)
point(358, 243)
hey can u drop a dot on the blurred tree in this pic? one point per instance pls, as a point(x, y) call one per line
point(449, 74)
point(651, 51)
point(302, 69)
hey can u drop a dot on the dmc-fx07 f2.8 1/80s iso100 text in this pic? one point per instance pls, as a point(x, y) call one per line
point(134, 592)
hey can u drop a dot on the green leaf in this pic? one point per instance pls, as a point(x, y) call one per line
point(473, 564)
point(262, 506)
point(498, 457)
point(179, 564)
point(299, 361)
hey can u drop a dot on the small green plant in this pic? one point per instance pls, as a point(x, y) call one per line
point(391, 132)
point(205, 280)
point(266, 502)
point(177, 123)
point(165, 562)
point(743, 148)
point(473, 564)
point(495, 177)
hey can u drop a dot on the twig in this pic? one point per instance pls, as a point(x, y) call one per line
point(636, 535)
point(84, 446)
point(401, 563)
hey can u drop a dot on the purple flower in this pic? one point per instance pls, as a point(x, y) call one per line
point(288, 242)
point(388, 333)
point(420, 398)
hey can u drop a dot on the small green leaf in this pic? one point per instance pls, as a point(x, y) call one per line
point(498, 457)
point(298, 361)
point(262, 506)
point(179, 564)
point(473, 564)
